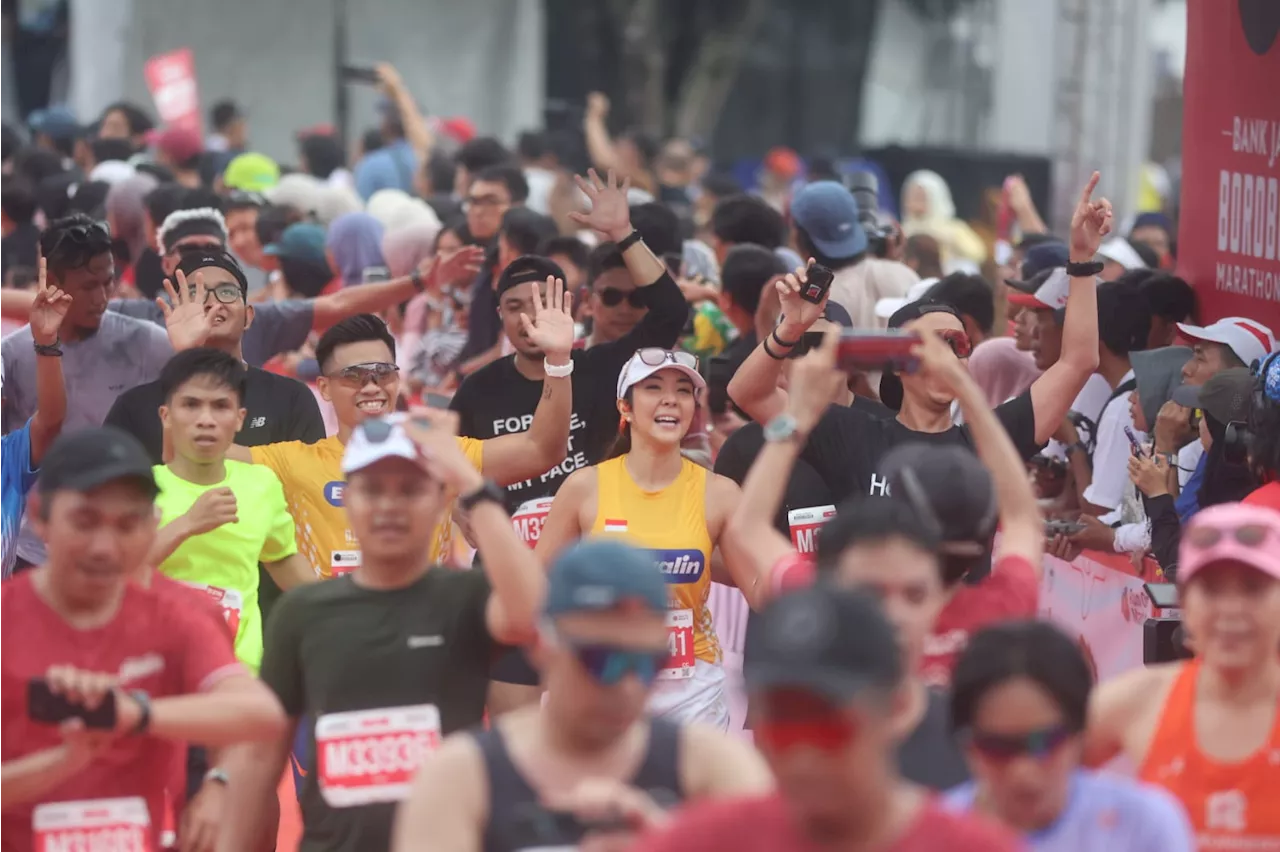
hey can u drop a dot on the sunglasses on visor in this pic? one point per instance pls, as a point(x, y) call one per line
point(652, 356)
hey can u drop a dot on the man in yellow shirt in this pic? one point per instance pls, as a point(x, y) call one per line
point(220, 518)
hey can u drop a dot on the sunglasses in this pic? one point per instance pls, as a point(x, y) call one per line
point(1248, 535)
point(1000, 748)
point(359, 375)
point(227, 294)
point(608, 665)
point(959, 342)
point(652, 356)
point(611, 297)
point(827, 733)
point(80, 237)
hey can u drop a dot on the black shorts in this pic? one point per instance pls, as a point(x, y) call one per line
point(512, 666)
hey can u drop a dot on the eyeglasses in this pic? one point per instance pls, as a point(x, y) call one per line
point(826, 733)
point(483, 201)
point(652, 356)
point(1205, 536)
point(611, 297)
point(227, 294)
point(359, 375)
point(958, 340)
point(608, 665)
point(1000, 748)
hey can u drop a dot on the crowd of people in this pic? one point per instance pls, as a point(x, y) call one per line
point(410, 475)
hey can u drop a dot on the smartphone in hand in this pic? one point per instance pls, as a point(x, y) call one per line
point(45, 705)
point(1134, 444)
point(363, 74)
point(1068, 528)
point(861, 351)
point(818, 280)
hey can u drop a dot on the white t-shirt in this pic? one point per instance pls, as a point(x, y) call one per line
point(1188, 459)
point(1088, 402)
point(1111, 456)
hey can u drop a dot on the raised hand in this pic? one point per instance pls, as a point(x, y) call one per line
point(938, 358)
point(1090, 222)
point(797, 314)
point(1149, 474)
point(48, 310)
point(551, 328)
point(610, 214)
point(185, 315)
point(815, 383)
point(456, 269)
point(212, 509)
point(597, 105)
point(435, 432)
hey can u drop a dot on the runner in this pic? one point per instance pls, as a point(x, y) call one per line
point(655, 497)
point(1208, 729)
point(915, 550)
point(1019, 700)
point(144, 673)
point(827, 678)
point(541, 776)
point(394, 655)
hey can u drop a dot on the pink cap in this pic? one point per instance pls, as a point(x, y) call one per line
point(1228, 519)
point(179, 144)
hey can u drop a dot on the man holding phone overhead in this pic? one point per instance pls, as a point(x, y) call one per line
point(847, 444)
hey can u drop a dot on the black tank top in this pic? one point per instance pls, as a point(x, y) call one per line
point(518, 822)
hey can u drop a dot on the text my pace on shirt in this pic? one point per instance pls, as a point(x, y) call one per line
point(680, 566)
point(573, 460)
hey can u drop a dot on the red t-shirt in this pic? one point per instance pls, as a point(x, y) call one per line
point(160, 641)
point(1268, 495)
point(764, 824)
point(1012, 591)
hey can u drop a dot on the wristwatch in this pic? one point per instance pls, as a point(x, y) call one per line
point(1084, 270)
point(144, 711)
point(629, 240)
point(554, 371)
point(781, 428)
point(489, 492)
point(52, 350)
point(217, 776)
point(416, 277)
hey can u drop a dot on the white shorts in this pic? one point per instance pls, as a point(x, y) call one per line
point(700, 698)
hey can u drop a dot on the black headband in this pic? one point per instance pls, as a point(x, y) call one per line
point(202, 258)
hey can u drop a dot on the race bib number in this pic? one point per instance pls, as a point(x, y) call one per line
point(121, 825)
point(679, 645)
point(529, 518)
point(805, 524)
point(343, 562)
point(231, 602)
point(369, 756)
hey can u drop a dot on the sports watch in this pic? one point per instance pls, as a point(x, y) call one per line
point(489, 492)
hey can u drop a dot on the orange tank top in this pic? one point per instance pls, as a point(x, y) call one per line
point(1233, 806)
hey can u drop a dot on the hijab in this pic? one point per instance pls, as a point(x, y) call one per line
point(355, 240)
point(941, 207)
point(1001, 369)
point(1156, 372)
point(406, 247)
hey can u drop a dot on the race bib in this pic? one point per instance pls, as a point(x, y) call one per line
point(121, 825)
point(529, 518)
point(805, 524)
point(679, 645)
point(369, 756)
point(343, 562)
point(231, 602)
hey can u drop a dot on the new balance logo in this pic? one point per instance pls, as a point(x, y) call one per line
point(257, 422)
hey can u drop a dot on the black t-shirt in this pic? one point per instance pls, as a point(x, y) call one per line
point(496, 400)
point(20, 248)
point(335, 648)
point(848, 443)
point(930, 756)
point(805, 489)
point(277, 408)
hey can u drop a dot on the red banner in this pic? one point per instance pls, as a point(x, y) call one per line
point(171, 78)
point(1229, 238)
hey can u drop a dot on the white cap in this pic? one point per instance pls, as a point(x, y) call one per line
point(1249, 339)
point(1118, 250)
point(376, 439)
point(636, 371)
point(886, 308)
point(1051, 294)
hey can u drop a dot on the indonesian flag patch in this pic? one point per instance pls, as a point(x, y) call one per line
point(615, 526)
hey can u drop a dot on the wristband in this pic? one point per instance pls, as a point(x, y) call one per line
point(629, 240)
point(1084, 270)
point(53, 350)
point(775, 356)
point(790, 344)
point(144, 708)
point(553, 371)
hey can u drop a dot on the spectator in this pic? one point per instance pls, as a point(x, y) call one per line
point(1264, 455)
point(19, 234)
point(126, 120)
point(924, 256)
point(746, 271)
point(474, 157)
point(572, 256)
point(242, 211)
point(971, 296)
point(55, 129)
point(197, 227)
point(540, 169)
point(230, 129)
point(180, 150)
point(1118, 256)
point(713, 189)
point(321, 156)
point(1156, 231)
point(392, 166)
point(353, 245)
point(741, 219)
point(127, 218)
point(1172, 301)
point(927, 208)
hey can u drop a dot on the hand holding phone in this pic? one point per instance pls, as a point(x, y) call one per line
point(69, 693)
point(862, 351)
point(817, 283)
point(1134, 444)
point(1066, 528)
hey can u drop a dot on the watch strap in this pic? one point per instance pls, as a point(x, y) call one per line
point(52, 350)
point(629, 240)
point(144, 711)
point(1084, 270)
point(489, 492)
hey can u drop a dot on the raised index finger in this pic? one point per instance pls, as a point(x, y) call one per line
point(1088, 189)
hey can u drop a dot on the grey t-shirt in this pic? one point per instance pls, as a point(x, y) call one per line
point(123, 353)
point(277, 326)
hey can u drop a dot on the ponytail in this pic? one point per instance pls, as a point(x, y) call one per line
point(621, 444)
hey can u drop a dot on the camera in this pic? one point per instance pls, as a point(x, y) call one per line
point(1163, 638)
point(878, 225)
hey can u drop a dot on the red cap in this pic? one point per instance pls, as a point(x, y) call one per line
point(783, 161)
point(178, 144)
point(459, 127)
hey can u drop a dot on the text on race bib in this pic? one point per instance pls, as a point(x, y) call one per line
point(529, 519)
point(118, 825)
point(343, 562)
point(368, 756)
point(680, 665)
point(231, 602)
point(805, 524)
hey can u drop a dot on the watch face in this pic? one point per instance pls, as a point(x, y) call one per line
point(780, 428)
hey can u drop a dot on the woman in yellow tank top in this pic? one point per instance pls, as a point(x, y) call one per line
point(656, 498)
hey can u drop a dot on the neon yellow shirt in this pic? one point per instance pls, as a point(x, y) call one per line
point(313, 483)
point(226, 559)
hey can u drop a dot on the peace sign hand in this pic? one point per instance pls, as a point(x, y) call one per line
point(609, 212)
point(185, 315)
point(48, 310)
point(551, 328)
point(1090, 222)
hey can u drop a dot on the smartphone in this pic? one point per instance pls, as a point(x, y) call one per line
point(1052, 527)
point(436, 400)
point(817, 282)
point(1134, 443)
point(365, 74)
point(375, 274)
point(1163, 595)
point(861, 350)
point(45, 705)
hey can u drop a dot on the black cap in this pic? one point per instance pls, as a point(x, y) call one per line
point(1040, 258)
point(890, 384)
point(527, 267)
point(832, 642)
point(202, 257)
point(85, 459)
point(947, 486)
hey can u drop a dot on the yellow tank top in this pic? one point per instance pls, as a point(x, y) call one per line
point(672, 525)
